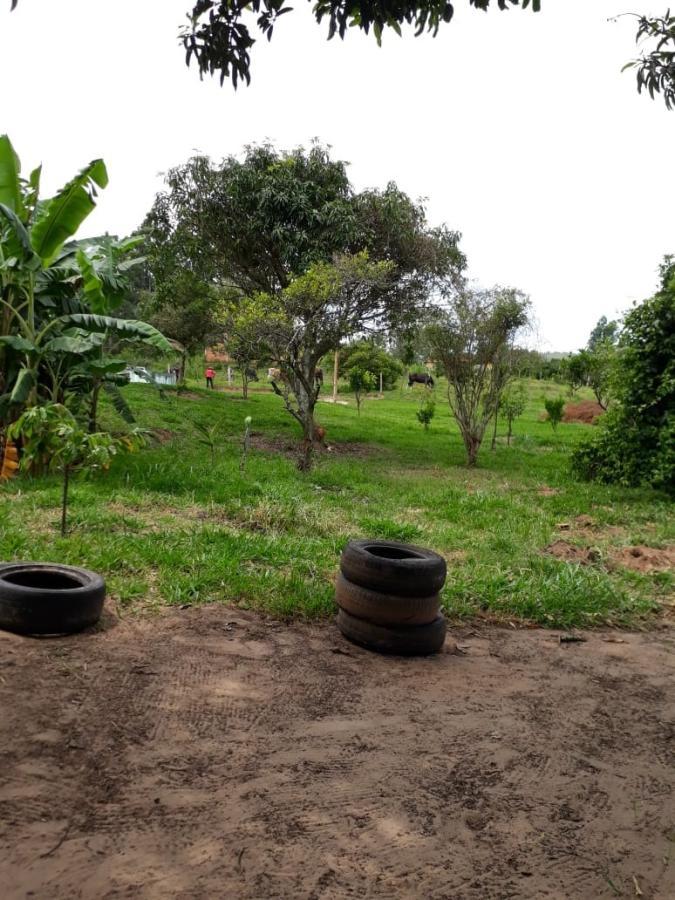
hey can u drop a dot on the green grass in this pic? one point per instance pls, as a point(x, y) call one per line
point(165, 526)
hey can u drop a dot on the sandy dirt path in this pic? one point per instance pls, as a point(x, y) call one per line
point(210, 753)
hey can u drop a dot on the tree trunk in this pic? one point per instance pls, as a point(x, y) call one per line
point(336, 362)
point(64, 501)
point(508, 435)
point(306, 404)
point(244, 386)
point(472, 445)
point(494, 433)
point(93, 407)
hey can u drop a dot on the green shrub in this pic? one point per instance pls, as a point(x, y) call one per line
point(360, 381)
point(426, 412)
point(555, 407)
point(635, 442)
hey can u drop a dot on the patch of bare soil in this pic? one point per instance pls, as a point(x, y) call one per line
point(546, 491)
point(188, 395)
point(647, 559)
point(572, 552)
point(270, 443)
point(163, 435)
point(585, 526)
point(210, 753)
point(587, 412)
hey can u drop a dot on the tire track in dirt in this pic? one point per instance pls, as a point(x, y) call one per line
point(211, 753)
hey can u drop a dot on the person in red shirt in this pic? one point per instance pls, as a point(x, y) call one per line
point(210, 375)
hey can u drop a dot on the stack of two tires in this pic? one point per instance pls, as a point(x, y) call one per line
point(389, 597)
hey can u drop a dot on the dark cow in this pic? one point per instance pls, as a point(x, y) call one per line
point(418, 378)
point(251, 375)
point(318, 377)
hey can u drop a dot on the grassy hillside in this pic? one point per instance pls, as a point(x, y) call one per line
point(168, 526)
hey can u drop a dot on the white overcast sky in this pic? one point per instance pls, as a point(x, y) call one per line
point(517, 127)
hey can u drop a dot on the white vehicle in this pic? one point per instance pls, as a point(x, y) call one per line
point(138, 375)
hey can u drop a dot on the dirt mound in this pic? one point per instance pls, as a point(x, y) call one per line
point(585, 413)
point(647, 559)
point(210, 753)
point(572, 553)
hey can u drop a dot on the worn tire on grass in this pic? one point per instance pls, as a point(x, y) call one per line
point(48, 598)
point(402, 640)
point(393, 568)
point(385, 609)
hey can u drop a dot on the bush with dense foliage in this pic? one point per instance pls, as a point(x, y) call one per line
point(554, 407)
point(367, 356)
point(635, 443)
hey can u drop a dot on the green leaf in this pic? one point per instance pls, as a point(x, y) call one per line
point(129, 328)
point(22, 387)
point(10, 169)
point(33, 193)
point(61, 216)
point(119, 403)
point(67, 344)
point(18, 343)
point(19, 241)
point(91, 284)
point(106, 366)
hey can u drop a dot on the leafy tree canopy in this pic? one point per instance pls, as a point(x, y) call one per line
point(368, 357)
point(219, 33)
point(219, 36)
point(656, 65)
point(219, 39)
point(184, 308)
point(259, 222)
point(603, 332)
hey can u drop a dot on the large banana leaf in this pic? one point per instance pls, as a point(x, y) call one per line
point(129, 328)
point(10, 168)
point(60, 218)
point(16, 342)
point(119, 403)
point(91, 284)
point(23, 386)
point(17, 240)
point(72, 344)
point(105, 366)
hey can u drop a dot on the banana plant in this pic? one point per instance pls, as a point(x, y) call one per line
point(56, 294)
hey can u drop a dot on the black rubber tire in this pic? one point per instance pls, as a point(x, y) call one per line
point(48, 598)
point(404, 640)
point(392, 568)
point(385, 609)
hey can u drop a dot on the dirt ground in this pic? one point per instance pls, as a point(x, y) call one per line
point(210, 753)
point(586, 412)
